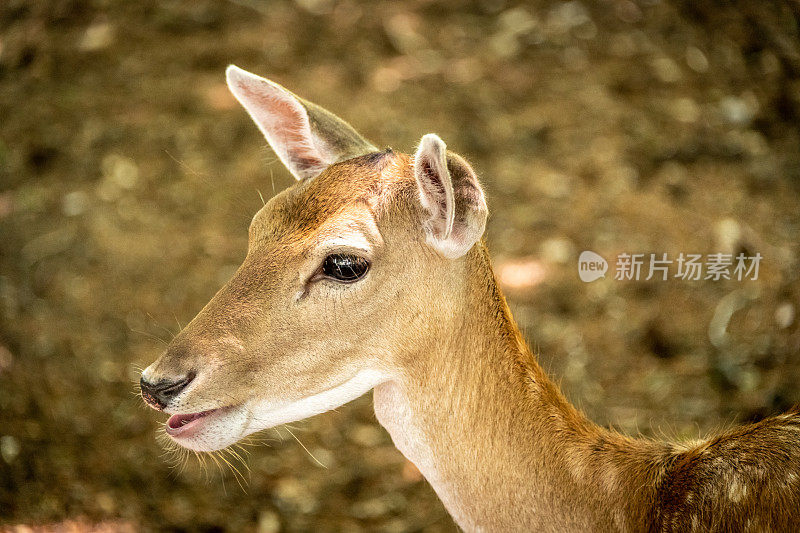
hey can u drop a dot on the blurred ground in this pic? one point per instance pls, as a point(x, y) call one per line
point(128, 177)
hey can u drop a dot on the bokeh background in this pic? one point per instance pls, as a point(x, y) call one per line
point(128, 177)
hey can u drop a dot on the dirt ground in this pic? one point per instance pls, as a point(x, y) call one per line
point(128, 177)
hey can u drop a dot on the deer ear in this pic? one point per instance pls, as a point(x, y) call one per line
point(451, 197)
point(305, 137)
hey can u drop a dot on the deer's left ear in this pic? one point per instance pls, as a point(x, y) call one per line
point(451, 196)
point(306, 137)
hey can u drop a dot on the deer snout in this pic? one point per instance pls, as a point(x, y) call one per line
point(158, 394)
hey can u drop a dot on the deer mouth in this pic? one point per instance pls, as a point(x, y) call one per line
point(183, 425)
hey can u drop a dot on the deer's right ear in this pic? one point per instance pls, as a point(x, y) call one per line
point(452, 197)
point(305, 137)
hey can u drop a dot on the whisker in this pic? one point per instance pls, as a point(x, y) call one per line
point(185, 166)
point(236, 474)
point(172, 335)
point(304, 447)
point(272, 179)
point(214, 458)
point(177, 321)
point(154, 337)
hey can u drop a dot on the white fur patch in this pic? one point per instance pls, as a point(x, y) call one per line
point(147, 373)
point(267, 414)
point(227, 426)
point(354, 239)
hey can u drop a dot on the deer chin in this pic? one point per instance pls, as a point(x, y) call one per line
point(209, 430)
point(268, 414)
point(214, 429)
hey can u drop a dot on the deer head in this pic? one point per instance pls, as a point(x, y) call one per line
point(347, 274)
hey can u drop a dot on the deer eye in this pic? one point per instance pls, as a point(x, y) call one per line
point(346, 268)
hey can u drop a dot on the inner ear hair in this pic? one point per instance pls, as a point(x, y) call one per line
point(450, 193)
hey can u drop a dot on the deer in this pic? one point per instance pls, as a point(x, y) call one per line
point(371, 273)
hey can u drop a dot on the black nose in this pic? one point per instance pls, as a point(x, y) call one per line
point(158, 394)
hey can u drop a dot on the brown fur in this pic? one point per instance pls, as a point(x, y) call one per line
point(466, 400)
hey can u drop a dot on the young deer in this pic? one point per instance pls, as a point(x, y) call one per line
point(370, 273)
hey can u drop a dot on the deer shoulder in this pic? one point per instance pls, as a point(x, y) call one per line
point(747, 479)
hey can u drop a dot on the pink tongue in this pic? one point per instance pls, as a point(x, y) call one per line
point(176, 421)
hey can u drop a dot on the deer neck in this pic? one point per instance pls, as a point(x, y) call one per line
point(497, 440)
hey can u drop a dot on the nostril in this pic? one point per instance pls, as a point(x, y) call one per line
point(150, 394)
point(160, 393)
point(169, 390)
